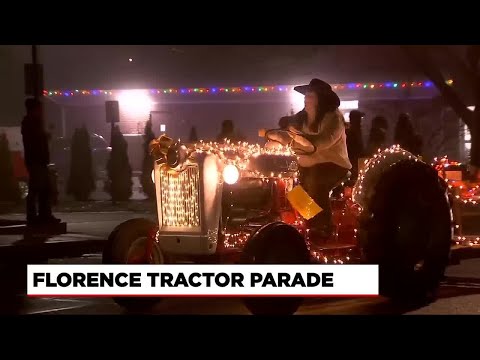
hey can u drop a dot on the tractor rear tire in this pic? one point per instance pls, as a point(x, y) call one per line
point(407, 231)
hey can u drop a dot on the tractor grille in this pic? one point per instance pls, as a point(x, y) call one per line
point(180, 197)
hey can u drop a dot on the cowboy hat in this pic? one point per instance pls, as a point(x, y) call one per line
point(323, 90)
point(316, 85)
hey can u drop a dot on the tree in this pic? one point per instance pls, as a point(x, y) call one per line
point(81, 181)
point(119, 181)
point(9, 189)
point(467, 69)
point(147, 168)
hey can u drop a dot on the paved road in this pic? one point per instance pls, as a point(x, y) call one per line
point(459, 295)
point(91, 223)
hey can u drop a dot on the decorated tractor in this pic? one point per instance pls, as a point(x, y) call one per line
point(243, 203)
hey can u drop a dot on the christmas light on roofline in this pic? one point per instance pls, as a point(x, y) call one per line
point(247, 89)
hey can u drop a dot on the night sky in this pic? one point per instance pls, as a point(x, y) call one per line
point(152, 66)
point(182, 65)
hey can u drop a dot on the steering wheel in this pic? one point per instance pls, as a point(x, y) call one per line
point(306, 148)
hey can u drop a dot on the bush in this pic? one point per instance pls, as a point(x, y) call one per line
point(119, 181)
point(81, 181)
point(9, 189)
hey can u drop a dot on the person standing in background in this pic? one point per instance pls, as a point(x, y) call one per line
point(355, 146)
point(37, 158)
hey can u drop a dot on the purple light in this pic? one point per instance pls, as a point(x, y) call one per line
point(214, 90)
point(280, 88)
point(351, 86)
point(388, 84)
point(66, 94)
point(183, 91)
point(428, 84)
point(246, 88)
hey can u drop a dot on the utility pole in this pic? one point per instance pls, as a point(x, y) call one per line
point(34, 76)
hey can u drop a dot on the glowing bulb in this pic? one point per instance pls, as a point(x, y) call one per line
point(153, 176)
point(135, 102)
point(231, 174)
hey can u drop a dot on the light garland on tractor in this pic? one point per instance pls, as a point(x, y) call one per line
point(470, 240)
point(463, 191)
point(336, 256)
point(382, 154)
point(180, 198)
point(236, 239)
point(246, 89)
point(240, 153)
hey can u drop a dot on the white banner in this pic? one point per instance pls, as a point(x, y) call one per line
point(202, 280)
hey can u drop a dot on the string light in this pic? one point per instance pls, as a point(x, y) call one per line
point(236, 239)
point(465, 192)
point(180, 197)
point(249, 89)
point(467, 240)
point(334, 255)
point(241, 154)
point(369, 175)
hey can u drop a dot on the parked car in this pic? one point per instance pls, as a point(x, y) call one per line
point(60, 154)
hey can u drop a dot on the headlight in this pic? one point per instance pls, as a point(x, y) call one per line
point(231, 174)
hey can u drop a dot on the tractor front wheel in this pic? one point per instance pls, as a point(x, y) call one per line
point(276, 243)
point(132, 243)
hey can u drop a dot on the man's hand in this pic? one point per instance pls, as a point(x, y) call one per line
point(281, 137)
point(299, 139)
